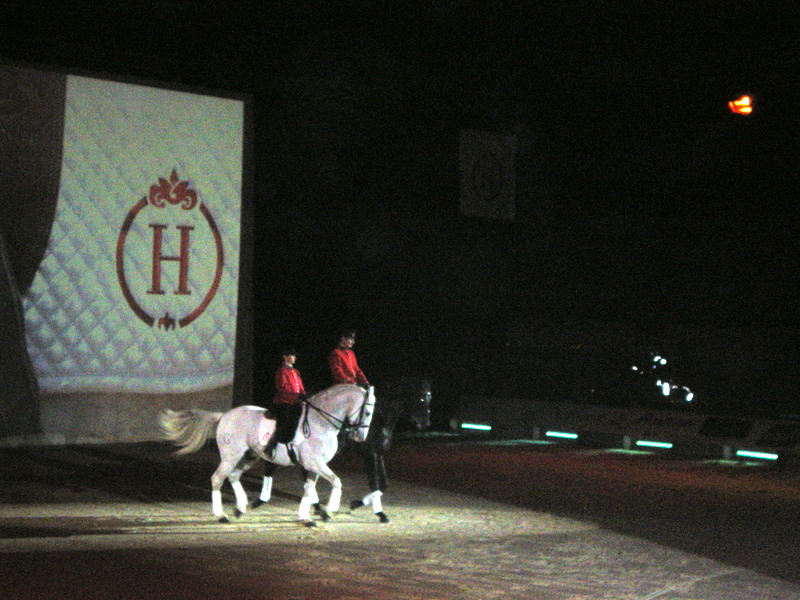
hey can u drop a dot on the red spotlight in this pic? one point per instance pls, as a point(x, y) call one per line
point(742, 106)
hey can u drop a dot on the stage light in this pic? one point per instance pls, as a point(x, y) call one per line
point(752, 454)
point(476, 426)
point(742, 106)
point(649, 444)
point(562, 434)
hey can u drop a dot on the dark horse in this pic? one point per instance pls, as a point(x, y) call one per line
point(403, 401)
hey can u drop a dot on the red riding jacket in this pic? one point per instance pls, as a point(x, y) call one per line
point(344, 367)
point(288, 386)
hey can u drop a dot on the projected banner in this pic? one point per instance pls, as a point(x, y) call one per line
point(486, 165)
point(137, 291)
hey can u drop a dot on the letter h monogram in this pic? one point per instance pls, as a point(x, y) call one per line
point(182, 259)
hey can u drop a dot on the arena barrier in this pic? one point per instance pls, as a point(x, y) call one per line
point(695, 435)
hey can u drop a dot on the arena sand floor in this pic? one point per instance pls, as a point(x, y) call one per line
point(469, 520)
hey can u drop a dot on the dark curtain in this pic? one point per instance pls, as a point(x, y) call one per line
point(31, 146)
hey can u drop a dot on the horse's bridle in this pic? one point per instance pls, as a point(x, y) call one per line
point(340, 423)
point(364, 411)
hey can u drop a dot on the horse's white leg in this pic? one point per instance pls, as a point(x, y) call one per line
point(335, 498)
point(266, 489)
point(266, 484)
point(377, 505)
point(227, 469)
point(313, 496)
point(309, 491)
point(217, 479)
point(373, 499)
point(216, 504)
point(235, 477)
point(241, 497)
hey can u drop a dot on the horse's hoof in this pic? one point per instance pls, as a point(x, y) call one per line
point(325, 516)
point(256, 503)
point(309, 524)
point(382, 517)
point(237, 513)
point(354, 504)
point(318, 508)
point(223, 519)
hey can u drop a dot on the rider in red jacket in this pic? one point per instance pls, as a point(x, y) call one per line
point(287, 403)
point(289, 387)
point(343, 363)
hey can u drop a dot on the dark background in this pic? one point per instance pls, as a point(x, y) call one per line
point(648, 217)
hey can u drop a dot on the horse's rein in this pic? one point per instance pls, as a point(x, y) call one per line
point(335, 421)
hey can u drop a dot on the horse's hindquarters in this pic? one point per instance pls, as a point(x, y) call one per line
point(240, 428)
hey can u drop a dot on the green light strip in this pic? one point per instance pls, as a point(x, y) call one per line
point(751, 454)
point(654, 444)
point(476, 426)
point(562, 434)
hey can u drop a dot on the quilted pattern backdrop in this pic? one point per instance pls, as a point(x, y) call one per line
point(137, 291)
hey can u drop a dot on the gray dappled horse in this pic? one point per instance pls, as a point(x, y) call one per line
point(249, 428)
point(405, 400)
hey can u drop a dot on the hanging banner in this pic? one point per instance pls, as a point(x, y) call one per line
point(486, 170)
point(137, 290)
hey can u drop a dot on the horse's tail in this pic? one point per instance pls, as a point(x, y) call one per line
point(189, 429)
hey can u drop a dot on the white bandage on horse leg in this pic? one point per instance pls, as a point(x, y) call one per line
point(241, 495)
point(367, 500)
point(266, 490)
point(377, 507)
point(216, 503)
point(309, 498)
point(305, 509)
point(335, 500)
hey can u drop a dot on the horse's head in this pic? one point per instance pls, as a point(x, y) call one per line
point(418, 407)
point(360, 414)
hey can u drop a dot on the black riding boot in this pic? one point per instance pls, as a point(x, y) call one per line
point(269, 449)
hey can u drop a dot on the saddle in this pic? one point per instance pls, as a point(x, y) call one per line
point(266, 429)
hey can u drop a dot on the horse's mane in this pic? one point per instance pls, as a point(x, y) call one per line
point(323, 394)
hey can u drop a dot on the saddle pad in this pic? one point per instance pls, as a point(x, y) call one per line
point(137, 291)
